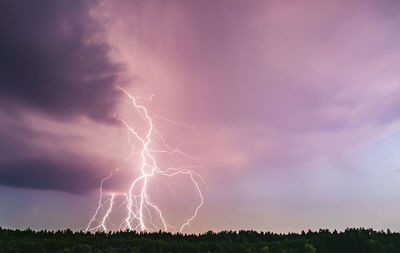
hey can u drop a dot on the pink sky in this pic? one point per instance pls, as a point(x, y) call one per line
point(291, 106)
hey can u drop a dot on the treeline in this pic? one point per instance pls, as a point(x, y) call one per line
point(323, 241)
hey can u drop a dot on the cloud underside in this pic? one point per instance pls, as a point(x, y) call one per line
point(50, 65)
point(48, 62)
point(279, 84)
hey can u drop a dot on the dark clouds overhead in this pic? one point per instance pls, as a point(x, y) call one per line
point(48, 63)
point(49, 174)
point(24, 164)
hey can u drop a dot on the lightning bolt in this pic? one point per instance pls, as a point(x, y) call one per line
point(100, 205)
point(142, 212)
point(106, 216)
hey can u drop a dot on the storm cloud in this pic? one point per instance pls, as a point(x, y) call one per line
point(49, 174)
point(49, 61)
point(39, 159)
point(54, 64)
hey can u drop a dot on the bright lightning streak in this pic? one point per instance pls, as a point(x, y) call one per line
point(99, 206)
point(140, 207)
point(106, 216)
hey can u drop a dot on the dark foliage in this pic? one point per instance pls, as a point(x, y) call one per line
point(323, 241)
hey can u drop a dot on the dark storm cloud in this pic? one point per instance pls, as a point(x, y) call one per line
point(50, 63)
point(25, 165)
point(49, 174)
point(47, 62)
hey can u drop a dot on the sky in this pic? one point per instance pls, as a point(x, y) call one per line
point(291, 108)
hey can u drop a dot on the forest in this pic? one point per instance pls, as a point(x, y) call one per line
point(323, 241)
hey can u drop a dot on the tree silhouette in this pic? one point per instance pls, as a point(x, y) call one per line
point(323, 241)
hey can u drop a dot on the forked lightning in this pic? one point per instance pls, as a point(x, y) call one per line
point(142, 213)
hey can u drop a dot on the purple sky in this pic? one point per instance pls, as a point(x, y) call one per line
point(292, 107)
